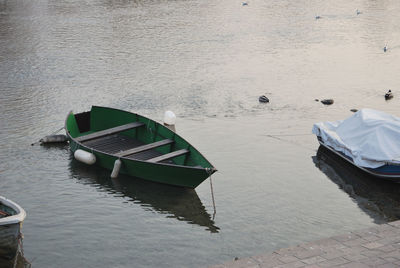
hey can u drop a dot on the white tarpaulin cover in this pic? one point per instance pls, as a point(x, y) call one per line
point(370, 137)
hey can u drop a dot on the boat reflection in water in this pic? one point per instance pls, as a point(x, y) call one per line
point(18, 261)
point(180, 203)
point(379, 198)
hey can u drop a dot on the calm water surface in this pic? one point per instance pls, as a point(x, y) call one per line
point(208, 61)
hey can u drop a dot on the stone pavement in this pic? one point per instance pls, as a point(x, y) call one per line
point(373, 247)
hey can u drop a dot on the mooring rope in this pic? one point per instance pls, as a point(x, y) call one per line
point(75, 146)
point(209, 171)
point(278, 137)
point(20, 250)
point(58, 130)
point(287, 135)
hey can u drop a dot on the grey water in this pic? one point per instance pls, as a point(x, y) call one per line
point(208, 61)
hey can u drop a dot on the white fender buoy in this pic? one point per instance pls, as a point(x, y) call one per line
point(169, 120)
point(85, 157)
point(117, 167)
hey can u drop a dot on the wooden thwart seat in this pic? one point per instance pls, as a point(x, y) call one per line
point(5, 214)
point(109, 131)
point(144, 147)
point(168, 156)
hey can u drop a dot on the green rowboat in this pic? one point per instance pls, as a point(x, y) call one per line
point(135, 145)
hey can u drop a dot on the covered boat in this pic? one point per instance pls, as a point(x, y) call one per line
point(11, 219)
point(135, 145)
point(369, 139)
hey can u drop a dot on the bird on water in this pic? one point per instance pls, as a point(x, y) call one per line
point(388, 95)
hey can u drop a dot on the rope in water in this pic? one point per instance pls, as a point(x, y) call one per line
point(283, 135)
point(20, 251)
point(212, 192)
point(277, 137)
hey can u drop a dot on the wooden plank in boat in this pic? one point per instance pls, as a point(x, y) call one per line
point(109, 131)
point(168, 156)
point(144, 147)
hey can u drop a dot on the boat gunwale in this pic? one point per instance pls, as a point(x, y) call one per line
point(212, 168)
point(369, 171)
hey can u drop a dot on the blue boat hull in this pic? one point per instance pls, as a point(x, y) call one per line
point(389, 172)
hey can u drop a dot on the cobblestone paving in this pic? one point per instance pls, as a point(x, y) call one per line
point(374, 247)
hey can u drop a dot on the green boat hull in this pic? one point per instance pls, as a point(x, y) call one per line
point(185, 171)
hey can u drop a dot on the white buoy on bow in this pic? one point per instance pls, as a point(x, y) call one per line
point(169, 120)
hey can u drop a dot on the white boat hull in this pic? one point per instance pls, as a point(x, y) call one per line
point(10, 228)
point(10, 236)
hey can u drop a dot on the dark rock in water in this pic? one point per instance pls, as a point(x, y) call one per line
point(263, 99)
point(327, 101)
point(236, 258)
point(388, 95)
point(354, 110)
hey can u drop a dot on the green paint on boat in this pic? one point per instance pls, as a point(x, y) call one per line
point(109, 133)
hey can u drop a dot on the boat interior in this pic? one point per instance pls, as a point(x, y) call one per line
point(6, 211)
point(131, 136)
